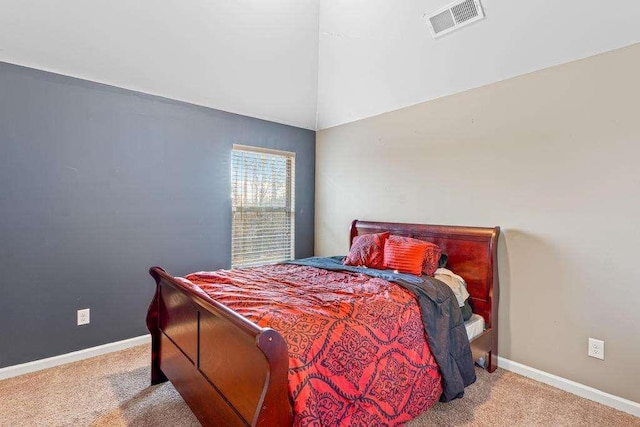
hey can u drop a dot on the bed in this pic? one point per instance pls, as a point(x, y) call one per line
point(231, 371)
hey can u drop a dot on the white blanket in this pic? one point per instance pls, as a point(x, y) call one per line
point(455, 282)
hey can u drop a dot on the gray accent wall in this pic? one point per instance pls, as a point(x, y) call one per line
point(97, 184)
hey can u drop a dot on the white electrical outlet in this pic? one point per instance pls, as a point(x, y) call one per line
point(83, 317)
point(596, 348)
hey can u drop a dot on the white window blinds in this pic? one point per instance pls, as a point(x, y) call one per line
point(262, 199)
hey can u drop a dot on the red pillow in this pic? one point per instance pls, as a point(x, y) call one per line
point(431, 259)
point(405, 254)
point(367, 250)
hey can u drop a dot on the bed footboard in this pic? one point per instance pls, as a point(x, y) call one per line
point(228, 370)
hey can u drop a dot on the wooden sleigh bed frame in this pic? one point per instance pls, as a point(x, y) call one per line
point(232, 372)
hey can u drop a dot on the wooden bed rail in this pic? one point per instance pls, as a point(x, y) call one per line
point(196, 342)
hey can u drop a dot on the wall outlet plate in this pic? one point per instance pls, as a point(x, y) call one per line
point(596, 348)
point(84, 317)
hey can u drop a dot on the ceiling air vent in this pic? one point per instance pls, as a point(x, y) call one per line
point(454, 16)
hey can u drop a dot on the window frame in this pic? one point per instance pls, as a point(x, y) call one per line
point(290, 157)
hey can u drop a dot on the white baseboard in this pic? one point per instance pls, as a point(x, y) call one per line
point(573, 387)
point(50, 362)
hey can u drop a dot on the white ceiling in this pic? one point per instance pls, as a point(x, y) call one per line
point(378, 55)
point(253, 57)
point(260, 57)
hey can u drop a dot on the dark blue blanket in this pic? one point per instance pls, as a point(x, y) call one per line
point(334, 263)
point(441, 316)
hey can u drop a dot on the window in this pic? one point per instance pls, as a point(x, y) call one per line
point(262, 200)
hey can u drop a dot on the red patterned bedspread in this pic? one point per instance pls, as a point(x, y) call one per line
point(358, 353)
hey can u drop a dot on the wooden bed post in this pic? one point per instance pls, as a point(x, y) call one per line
point(353, 231)
point(157, 376)
point(494, 297)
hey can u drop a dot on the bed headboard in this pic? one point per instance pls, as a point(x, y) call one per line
point(472, 253)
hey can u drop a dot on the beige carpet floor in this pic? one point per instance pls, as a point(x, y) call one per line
point(113, 390)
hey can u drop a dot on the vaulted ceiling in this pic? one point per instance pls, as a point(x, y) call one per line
point(253, 57)
point(308, 63)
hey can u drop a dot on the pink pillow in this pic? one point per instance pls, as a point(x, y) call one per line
point(367, 250)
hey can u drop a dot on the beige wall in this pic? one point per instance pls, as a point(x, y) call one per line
point(552, 158)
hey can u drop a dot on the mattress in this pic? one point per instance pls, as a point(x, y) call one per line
point(474, 326)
